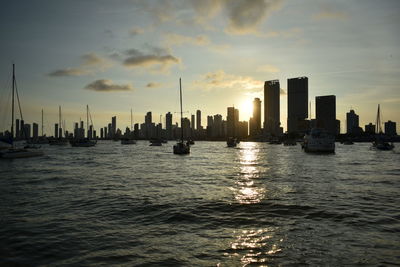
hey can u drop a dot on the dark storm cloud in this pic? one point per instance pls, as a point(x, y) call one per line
point(107, 86)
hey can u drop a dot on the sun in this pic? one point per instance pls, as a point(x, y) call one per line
point(245, 109)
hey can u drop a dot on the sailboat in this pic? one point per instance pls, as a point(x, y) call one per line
point(128, 140)
point(84, 142)
point(380, 142)
point(14, 152)
point(232, 141)
point(181, 147)
point(59, 141)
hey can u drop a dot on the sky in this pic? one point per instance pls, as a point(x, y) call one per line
point(124, 54)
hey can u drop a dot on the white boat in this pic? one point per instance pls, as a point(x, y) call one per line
point(319, 140)
point(181, 148)
point(13, 152)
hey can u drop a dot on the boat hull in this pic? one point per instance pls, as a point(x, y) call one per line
point(181, 149)
point(21, 153)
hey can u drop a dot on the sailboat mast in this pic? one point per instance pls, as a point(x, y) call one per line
point(12, 108)
point(42, 122)
point(378, 121)
point(180, 92)
point(87, 119)
point(59, 121)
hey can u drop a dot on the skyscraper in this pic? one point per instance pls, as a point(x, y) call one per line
point(271, 107)
point(390, 128)
point(17, 131)
point(325, 108)
point(297, 104)
point(352, 122)
point(232, 119)
point(255, 121)
point(198, 120)
point(192, 122)
point(56, 132)
point(35, 130)
point(168, 125)
point(113, 126)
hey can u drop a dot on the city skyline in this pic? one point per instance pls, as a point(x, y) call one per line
point(115, 57)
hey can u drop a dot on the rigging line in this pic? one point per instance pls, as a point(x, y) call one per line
point(20, 110)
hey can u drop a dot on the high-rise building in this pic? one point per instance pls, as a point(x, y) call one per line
point(27, 131)
point(232, 119)
point(148, 118)
point(17, 130)
point(22, 134)
point(325, 108)
point(217, 130)
point(56, 132)
point(198, 120)
point(101, 133)
point(168, 125)
point(271, 107)
point(192, 122)
point(113, 126)
point(390, 128)
point(370, 128)
point(255, 121)
point(352, 122)
point(297, 92)
point(35, 130)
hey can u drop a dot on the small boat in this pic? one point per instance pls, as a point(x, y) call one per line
point(127, 141)
point(84, 142)
point(190, 142)
point(181, 148)
point(289, 142)
point(380, 143)
point(318, 140)
point(231, 142)
point(155, 142)
point(13, 152)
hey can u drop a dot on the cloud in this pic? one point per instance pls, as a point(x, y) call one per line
point(242, 16)
point(136, 31)
point(330, 12)
point(158, 59)
point(68, 72)
point(91, 63)
point(173, 39)
point(219, 80)
point(268, 68)
point(245, 16)
point(289, 33)
point(107, 86)
point(153, 85)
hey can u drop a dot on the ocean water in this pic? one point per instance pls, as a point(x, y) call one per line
point(254, 205)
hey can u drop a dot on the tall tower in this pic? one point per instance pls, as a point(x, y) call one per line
point(255, 121)
point(325, 107)
point(198, 119)
point(297, 104)
point(168, 125)
point(352, 122)
point(113, 126)
point(271, 107)
point(232, 121)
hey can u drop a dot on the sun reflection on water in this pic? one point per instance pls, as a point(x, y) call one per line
point(245, 190)
point(255, 246)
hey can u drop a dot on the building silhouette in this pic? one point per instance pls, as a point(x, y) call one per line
point(255, 121)
point(17, 130)
point(192, 122)
point(168, 125)
point(35, 131)
point(271, 107)
point(232, 121)
point(297, 92)
point(370, 128)
point(198, 120)
point(325, 108)
point(352, 122)
point(113, 126)
point(390, 128)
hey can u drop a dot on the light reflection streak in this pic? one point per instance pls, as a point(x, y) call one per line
point(246, 191)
